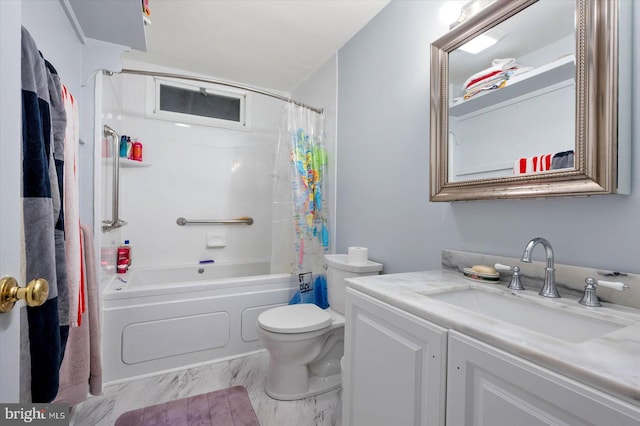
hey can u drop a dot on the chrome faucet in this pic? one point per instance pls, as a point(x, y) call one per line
point(549, 289)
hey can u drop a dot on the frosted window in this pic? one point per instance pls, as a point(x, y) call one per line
point(202, 103)
point(198, 102)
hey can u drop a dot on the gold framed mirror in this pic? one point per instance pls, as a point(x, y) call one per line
point(500, 137)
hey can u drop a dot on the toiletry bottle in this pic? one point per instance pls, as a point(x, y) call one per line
point(137, 151)
point(124, 257)
point(129, 148)
point(123, 146)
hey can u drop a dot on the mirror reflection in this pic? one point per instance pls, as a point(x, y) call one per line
point(512, 96)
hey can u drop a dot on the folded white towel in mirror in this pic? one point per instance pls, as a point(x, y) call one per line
point(504, 62)
point(497, 65)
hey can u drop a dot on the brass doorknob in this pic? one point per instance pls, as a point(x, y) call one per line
point(35, 293)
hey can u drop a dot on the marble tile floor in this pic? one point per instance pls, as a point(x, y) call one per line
point(249, 370)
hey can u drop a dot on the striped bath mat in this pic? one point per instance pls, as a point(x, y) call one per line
point(226, 407)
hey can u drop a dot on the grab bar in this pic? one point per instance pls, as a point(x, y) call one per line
point(115, 222)
point(181, 221)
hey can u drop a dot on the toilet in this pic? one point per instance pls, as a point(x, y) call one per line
point(306, 343)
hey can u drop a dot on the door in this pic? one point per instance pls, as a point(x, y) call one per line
point(10, 200)
point(487, 386)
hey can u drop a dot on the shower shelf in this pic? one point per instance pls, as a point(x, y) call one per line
point(125, 162)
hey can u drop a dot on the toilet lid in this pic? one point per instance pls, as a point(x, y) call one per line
point(294, 318)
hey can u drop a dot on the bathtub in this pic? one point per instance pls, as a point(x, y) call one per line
point(165, 318)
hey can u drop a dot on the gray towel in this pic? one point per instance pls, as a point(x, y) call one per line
point(40, 195)
point(58, 128)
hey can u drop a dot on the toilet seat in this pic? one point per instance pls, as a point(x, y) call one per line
point(290, 319)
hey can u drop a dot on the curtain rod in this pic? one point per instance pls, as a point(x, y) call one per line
point(223, 83)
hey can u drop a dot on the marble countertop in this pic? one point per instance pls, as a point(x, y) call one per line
point(610, 363)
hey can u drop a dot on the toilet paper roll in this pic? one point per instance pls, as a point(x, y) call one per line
point(358, 255)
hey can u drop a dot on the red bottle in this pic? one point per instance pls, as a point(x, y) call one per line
point(136, 151)
point(124, 257)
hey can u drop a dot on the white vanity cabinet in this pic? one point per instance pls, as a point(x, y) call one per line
point(401, 369)
point(487, 386)
point(395, 366)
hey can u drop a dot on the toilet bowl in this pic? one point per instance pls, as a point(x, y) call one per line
point(305, 343)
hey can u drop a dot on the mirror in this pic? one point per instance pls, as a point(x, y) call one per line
point(536, 113)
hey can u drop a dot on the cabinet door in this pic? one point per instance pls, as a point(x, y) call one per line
point(489, 387)
point(395, 366)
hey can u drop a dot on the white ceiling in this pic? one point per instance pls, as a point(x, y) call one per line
point(271, 44)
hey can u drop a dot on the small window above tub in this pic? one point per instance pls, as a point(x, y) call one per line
point(206, 104)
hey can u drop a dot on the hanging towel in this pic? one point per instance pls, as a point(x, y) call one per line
point(58, 125)
point(39, 195)
point(81, 370)
point(71, 204)
point(93, 296)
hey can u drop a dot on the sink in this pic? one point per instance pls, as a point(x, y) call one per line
point(553, 321)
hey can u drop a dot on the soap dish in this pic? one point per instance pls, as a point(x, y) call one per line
point(472, 275)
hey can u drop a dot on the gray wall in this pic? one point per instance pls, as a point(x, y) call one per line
point(383, 167)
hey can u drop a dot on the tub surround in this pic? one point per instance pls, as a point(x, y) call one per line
point(221, 173)
point(609, 363)
point(145, 319)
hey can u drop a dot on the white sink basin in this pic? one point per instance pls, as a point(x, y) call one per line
point(553, 321)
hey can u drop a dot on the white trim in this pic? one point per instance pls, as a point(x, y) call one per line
point(333, 214)
point(73, 21)
point(97, 165)
point(625, 102)
point(153, 103)
point(11, 255)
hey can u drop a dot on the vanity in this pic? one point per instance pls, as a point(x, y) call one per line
point(434, 348)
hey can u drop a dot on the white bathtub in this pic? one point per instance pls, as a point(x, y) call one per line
point(158, 319)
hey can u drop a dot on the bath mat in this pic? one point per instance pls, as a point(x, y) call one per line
point(225, 407)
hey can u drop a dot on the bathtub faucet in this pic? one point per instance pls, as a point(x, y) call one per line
point(549, 289)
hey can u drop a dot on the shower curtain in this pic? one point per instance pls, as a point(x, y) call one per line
point(300, 229)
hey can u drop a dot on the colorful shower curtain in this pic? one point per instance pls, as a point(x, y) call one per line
point(300, 229)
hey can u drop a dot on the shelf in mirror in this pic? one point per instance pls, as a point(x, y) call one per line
point(545, 78)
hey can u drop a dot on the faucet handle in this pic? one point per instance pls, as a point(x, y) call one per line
point(503, 268)
point(611, 284)
point(590, 297)
point(515, 283)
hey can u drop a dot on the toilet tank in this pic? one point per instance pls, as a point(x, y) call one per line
point(338, 268)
